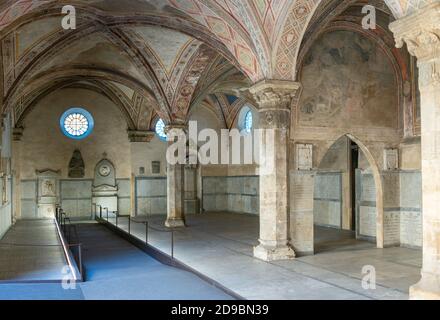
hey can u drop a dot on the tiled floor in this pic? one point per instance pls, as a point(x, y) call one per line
point(31, 251)
point(220, 246)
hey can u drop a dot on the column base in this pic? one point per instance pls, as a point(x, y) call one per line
point(273, 253)
point(175, 223)
point(427, 289)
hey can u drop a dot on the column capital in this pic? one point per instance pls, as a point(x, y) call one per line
point(175, 126)
point(421, 32)
point(176, 129)
point(274, 94)
point(140, 136)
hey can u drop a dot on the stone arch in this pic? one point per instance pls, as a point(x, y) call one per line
point(377, 177)
point(235, 45)
point(97, 86)
point(379, 189)
point(56, 77)
point(295, 25)
point(204, 104)
point(241, 112)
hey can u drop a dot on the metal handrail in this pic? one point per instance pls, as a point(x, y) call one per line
point(106, 209)
point(61, 218)
point(100, 210)
point(148, 226)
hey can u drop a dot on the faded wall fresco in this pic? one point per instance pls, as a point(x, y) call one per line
point(348, 81)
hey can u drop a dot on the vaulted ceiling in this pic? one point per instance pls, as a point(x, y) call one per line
point(157, 56)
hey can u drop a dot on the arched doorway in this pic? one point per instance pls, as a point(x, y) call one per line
point(348, 208)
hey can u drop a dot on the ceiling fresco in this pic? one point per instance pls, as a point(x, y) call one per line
point(166, 55)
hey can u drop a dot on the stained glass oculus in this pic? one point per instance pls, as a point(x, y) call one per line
point(77, 123)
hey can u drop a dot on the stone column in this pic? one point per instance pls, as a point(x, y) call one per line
point(138, 139)
point(192, 202)
point(421, 33)
point(175, 184)
point(274, 99)
point(17, 135)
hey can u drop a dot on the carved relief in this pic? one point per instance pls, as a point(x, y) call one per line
point(105, 174)
point(48, 188)
point(420, 32)
point(48, 192)
point(76, 165)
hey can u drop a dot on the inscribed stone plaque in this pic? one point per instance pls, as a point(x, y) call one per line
point(391, 159)
point(304, 156)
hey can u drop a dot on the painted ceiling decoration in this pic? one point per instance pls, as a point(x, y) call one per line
point(162, 55)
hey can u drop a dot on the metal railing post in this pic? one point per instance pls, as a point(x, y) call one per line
point(80, 260)
point(117, 219)
point(146, 232)
point(100, 212)
point(129, 225)
point(172, 243)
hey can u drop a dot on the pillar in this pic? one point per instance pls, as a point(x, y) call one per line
point(421, 32)
point(17, 135)
point(274, 99)
point(192, 201)
point(175, 184)
point(138, 140)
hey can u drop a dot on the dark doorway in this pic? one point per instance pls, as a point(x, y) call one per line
point(354, 165)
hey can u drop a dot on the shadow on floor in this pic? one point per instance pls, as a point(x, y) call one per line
point(331, 239)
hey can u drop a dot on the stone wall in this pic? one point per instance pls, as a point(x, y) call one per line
point(6, 208)
point(44, 146)
point(124, 199)
point(367, 212)
point(231, 194)
point(151, 195)
point(402, 208)
point(327, 204)
point(411, 208)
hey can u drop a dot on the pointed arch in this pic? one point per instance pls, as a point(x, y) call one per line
point(376, 172)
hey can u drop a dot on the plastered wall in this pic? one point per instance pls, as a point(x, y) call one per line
point(44, 146)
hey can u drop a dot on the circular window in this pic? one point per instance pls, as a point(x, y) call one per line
point(77, 123)
point(160, 130)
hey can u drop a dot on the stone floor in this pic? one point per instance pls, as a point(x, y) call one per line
point(31, 251)
point(116, 270)
point(219, 245)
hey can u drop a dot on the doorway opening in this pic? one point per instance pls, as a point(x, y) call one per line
point(345, 215)
point(353, 166)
